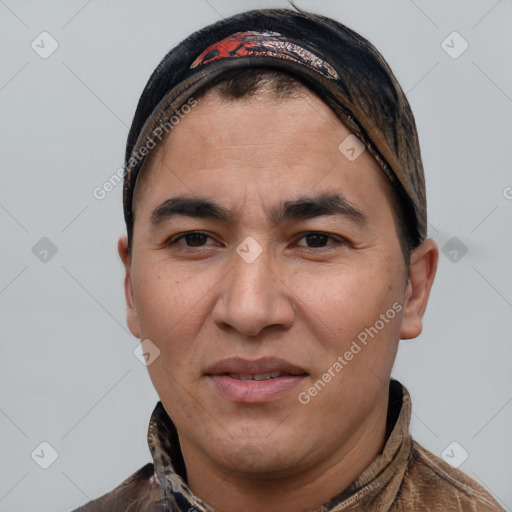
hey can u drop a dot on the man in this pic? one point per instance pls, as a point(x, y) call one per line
point(276, 254)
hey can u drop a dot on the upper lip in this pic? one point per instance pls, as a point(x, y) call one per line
point(238, 365)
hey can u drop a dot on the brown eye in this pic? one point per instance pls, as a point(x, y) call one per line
point(195, 239)
point(317, 239)
point(190, 239)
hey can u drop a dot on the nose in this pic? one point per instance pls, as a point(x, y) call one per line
point(253, 297)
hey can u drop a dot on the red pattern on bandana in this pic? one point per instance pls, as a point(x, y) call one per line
point(270, 44)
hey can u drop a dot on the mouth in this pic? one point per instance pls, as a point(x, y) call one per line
point(244, 381)
point(258, 376)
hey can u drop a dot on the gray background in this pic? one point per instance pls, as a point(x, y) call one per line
point(69, 376)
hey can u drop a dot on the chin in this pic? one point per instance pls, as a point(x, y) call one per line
point(257, 457)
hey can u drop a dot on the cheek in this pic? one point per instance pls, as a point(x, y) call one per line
point(173, 306)
point(163, 300)
point(343, 300)
point(167, 316)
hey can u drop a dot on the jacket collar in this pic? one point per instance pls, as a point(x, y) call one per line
point(387, 470)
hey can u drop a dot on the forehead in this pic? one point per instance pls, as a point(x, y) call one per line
point(272, 144)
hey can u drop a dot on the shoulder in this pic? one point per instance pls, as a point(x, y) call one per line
point(430, 480)
point(138, 493)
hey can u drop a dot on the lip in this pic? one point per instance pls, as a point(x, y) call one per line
point(220, 375)
point(247, 366)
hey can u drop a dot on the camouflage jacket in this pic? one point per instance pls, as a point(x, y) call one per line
point(404, 477)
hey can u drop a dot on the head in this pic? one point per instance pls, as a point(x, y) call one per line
point(256, 248)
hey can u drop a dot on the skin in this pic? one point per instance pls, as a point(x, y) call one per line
point(302, 303)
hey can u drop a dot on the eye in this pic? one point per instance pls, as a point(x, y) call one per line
point(190, 239)
point(318, 239)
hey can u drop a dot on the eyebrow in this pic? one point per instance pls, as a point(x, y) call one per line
point(190, 207)
point(314, 206)
point(303, 208)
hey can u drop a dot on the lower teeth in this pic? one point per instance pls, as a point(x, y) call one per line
point(256, 377)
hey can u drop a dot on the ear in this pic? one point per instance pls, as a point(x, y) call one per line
point(131, 313)
point(422, 271)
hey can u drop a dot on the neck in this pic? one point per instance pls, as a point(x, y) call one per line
point(295, 490)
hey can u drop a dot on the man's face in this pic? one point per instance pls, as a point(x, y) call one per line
point(221, 312)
